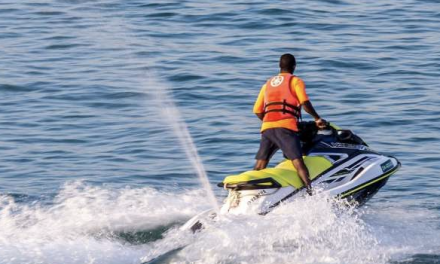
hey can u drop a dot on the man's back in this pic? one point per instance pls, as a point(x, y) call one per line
point(297, 88)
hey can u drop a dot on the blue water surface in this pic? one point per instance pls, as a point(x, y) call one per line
point(79, 83)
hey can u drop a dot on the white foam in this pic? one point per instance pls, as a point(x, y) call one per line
point(314, 230)
point(80, 225)
point(311, 230)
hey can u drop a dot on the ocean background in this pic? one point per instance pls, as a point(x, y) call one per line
point(96, 95)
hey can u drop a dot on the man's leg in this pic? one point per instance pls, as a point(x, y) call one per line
point(260, 164)
point(289, 143)
point(303, 172)
point(266, 151)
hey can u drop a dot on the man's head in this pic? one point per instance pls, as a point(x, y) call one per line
point(287, 63)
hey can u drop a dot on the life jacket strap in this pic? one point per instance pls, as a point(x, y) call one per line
point(296, 112)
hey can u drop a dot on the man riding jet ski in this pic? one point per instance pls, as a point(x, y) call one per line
point(336, 160)
point(340, 164)
point(279, 106)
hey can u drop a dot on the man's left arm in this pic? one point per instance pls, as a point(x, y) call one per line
point(259, 104)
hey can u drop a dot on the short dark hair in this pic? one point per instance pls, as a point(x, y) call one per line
point(287, 62)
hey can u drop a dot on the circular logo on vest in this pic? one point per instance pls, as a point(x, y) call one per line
point(277, 80)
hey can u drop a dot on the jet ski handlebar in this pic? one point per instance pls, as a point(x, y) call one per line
point(311, 126)
point(309, 131)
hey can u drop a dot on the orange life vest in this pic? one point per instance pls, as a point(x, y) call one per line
point(279, 102)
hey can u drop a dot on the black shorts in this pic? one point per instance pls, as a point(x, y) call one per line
point(274, 139)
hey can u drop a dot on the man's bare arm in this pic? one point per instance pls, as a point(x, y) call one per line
point(308, 107)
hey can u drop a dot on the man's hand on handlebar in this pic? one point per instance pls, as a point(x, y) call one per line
point(321, 123)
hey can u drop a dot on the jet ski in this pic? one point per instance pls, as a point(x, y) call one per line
point(340, 163)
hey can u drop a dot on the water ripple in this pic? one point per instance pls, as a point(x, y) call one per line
point(77, 95)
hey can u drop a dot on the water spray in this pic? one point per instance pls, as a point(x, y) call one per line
point(170, 112)
point(180, 129)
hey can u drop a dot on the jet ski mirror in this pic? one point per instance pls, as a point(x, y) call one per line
point(344, 135)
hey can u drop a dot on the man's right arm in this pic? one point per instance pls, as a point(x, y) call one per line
point(308, 107)
point(300, 89)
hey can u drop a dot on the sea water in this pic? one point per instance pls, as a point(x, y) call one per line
point(91, 171)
